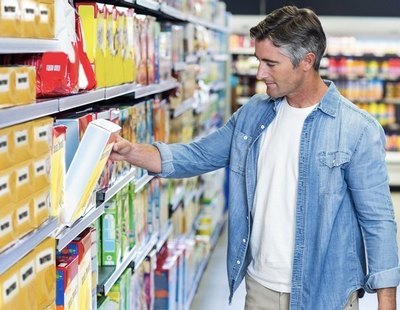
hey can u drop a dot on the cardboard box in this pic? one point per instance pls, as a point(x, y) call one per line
point(46, 24)
point(41, 206)
point(110, 52)
point(93, 17)
point(81, 247)
point(7, 186)
point(25, 85)
point(10, 24)
point(111, 234)
point(8, 234)
point(129, 50)
point(76, 127)
point(27, 280)
point(21, 143)
point(67, 283)
point(58, 170)
point(45, 265)
point(29, 18)
point(41, 136)
point(23, 217)
point(10, 289)
point(41, 172)
point(165, 282)
point(22, 179)
point(86, 167)
point(7, 86)
point(6, 159)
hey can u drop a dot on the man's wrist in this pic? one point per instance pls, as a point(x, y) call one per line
point(386, 298)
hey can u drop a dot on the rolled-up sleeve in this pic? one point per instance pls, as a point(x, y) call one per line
point(367, 179)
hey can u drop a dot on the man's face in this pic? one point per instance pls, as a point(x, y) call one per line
point(277, 71)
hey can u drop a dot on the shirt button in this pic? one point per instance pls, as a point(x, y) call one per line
point(245, 137)
point(262, 126)
point(247, 217)
point(238, 262)
point(333, 162)
point(244, 240)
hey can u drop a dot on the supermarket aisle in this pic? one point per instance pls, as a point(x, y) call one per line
point(213, 291)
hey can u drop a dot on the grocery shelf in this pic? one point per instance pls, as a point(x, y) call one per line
point(70, 233)
point(242, 100)
point(26, 45)
point(203, 264)
point(393, 157)
point(164, 235)
point(149, 4)
point(140, 183)
point(145, 250)
point(207, 24)
point(220, 57)
point(122, 181)
point(177, 198)
point(196, 281)
point(179, 66)
point(183, 107)
point(108, 275)
point(242, 51)
point(22, 113)
point(80, 99)
point(191, 59)
point(152, 89)
point(119, 90)
point(217, 86)
point(171, 11)
point(10, 256)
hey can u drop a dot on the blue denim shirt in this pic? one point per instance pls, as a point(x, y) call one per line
point(344, 213)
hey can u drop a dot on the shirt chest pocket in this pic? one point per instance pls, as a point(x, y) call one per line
point(240, 147)
point(331, 171)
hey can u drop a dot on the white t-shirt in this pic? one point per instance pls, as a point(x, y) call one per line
point(274, 210)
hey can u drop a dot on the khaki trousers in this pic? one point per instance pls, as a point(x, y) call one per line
point(259, 297)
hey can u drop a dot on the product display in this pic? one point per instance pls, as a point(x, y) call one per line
point(112, 221)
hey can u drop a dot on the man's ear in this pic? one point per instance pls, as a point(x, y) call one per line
point(308, 61)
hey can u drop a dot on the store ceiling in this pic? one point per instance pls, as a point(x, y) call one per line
point(386, 8)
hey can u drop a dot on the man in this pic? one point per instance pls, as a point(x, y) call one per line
point(309, 204)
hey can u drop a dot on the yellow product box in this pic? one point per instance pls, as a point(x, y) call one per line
point(93, 17)
point(45, 265)
point(86, 167)
point(21, 142)
point(46, 24)
point(10, 23)
point(41, 206)
point(41, 172)
point(27, 281)
point(119, 40)
point(10, 289)
point(7, 187)
point(81, 247)
point(57, 170)
point(128, 57)
point(110, 51)
point(41, 136)
point(25, 85)
point(7, 230)
point(7, 86)
point(22, 179)
point(6, 158)
point(29, 16)
point(23, 217)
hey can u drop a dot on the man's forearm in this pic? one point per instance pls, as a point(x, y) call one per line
point(145, 156)
point(386, 298)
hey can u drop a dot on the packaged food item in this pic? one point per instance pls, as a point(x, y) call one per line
point(23, 180)
point(6, 158)
point(23, 216)
point(41, 206)
point(41, 172)
point(45, 26)
point(21, 143)
point(25, 85)
point(29, 18)
point(10, 23)
point(7, 230)
point(27, 280)
point(58, 170)
point(41, 136)
point(10, 289)
point(7, 86)
point(67, 283)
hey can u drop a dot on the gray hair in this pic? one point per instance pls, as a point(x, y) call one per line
point(295, 31)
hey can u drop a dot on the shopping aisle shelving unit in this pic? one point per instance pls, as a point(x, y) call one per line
point(26, 244)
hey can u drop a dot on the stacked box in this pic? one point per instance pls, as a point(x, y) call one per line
point(111, 234)
point(67, 283)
